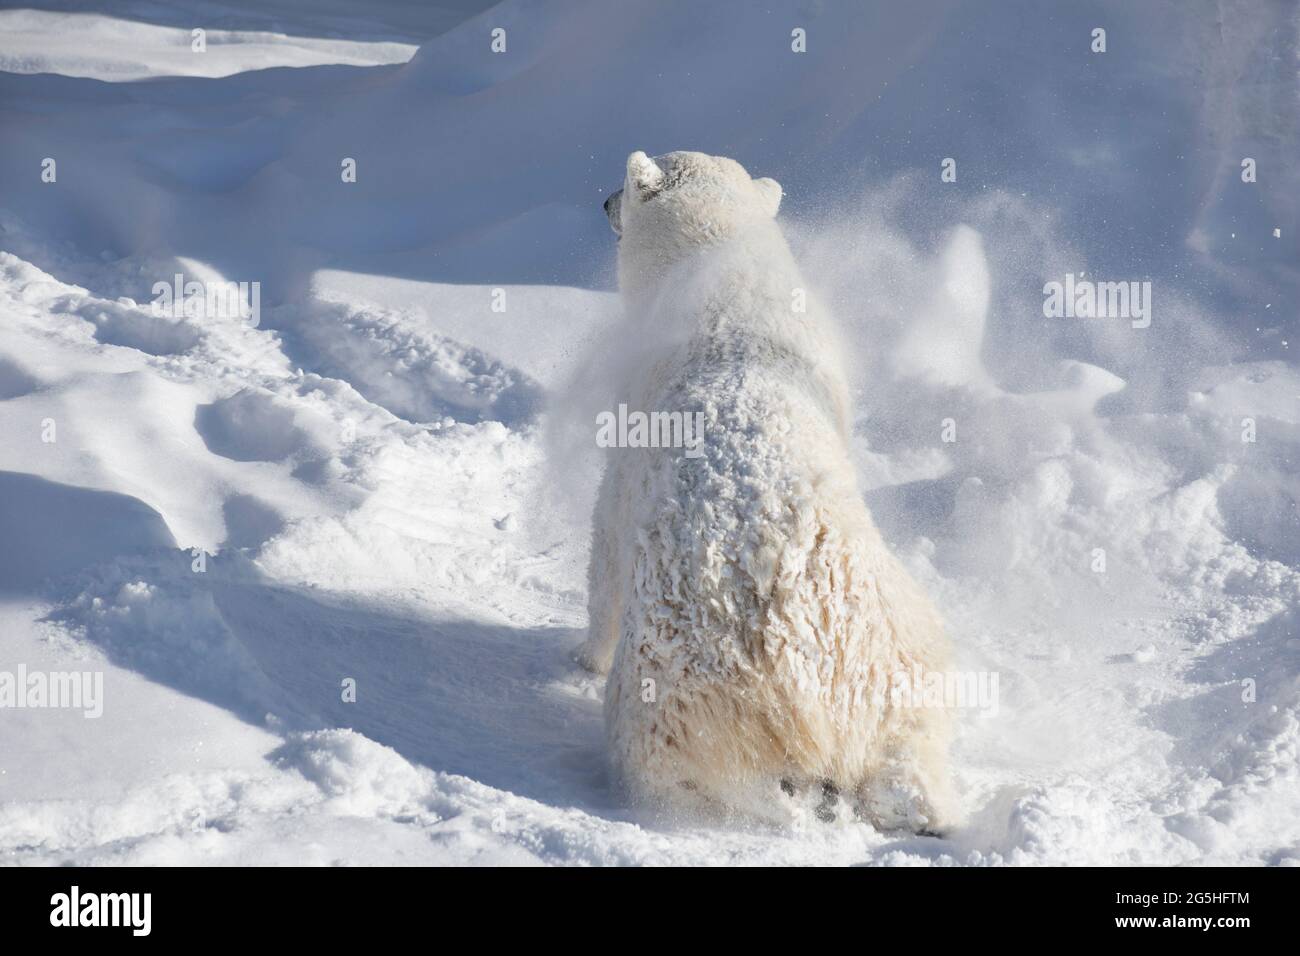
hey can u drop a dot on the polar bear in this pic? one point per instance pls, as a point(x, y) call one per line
point(746, 608)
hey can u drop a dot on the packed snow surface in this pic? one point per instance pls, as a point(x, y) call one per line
point(378, 478)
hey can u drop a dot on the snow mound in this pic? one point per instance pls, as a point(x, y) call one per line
point(118, 51)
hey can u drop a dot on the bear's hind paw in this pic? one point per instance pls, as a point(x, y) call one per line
point(591, 658)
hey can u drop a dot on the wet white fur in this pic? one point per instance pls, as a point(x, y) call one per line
point(747, 610)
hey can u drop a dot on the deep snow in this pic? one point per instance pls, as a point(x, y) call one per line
point(388, 478)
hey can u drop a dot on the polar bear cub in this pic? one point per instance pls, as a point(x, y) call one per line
point(748, 612)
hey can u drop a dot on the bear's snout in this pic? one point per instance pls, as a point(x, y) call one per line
point(612, 211)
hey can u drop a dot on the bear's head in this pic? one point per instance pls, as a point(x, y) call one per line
point(675, 204)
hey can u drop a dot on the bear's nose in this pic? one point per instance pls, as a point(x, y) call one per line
point(607, 202)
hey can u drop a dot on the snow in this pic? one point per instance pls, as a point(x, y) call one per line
point(385, 479)
point(36, 41)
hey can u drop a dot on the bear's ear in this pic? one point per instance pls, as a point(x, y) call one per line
point(643, 175)
point(770, 192)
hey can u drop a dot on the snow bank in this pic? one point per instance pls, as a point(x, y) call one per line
point(118, 51)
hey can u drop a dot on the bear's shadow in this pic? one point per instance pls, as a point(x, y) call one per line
point(502, 705)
